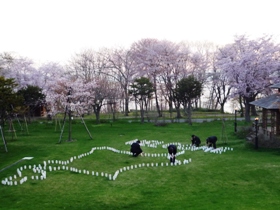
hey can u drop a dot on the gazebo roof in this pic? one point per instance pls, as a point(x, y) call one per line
point(275, 86)
point(269, 102)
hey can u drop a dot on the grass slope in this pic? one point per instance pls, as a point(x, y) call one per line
point(244, 178)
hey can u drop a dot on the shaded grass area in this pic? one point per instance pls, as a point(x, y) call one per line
point(244, 178)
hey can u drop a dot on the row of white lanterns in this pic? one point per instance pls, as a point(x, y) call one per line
point(41, 170)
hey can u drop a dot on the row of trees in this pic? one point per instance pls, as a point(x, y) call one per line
point(155, 72)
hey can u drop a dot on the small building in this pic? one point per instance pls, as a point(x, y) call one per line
point(269, 129)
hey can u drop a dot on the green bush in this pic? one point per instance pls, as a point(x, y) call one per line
point(243, 132)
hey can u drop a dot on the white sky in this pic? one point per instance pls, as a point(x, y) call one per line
point(54, 30)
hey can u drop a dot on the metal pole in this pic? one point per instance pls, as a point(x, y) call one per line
point(4, 141)
point(256, 127)
point(235, 123)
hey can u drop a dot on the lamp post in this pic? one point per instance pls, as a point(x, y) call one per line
point(256, 128)
point(235, 123)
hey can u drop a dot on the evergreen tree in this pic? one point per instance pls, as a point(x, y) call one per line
point(187, 90)
point(142, 89)
point(8, 98)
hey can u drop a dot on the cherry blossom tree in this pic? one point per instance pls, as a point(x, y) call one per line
point(152, 58)
point(83, 65)
point(249, 66)
point(198, 63)
point(120, 66)
point(47, 73)
point(23, 71)
point(173, 69)
point(115, 93)
point(98, 94)
point(67, 95)
point(219, 85)
point(52, 78)
point(220, 88)
point(6, 59)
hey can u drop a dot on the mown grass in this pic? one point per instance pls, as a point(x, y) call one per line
point(166, 115)
point(244, 178)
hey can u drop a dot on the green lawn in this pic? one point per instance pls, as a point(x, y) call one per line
point(244, 178)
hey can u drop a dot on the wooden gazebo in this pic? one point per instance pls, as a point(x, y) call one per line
point(270, 119)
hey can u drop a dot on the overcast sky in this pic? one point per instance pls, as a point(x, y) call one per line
point(54, 30)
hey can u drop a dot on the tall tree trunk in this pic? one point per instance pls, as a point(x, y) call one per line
point(96, 109)
point(170, 107)
point(97, 116)
point(178, 113)
point(253, 110)
point(70, 126)
point(156, 97)
point(222, 110)
point(247, 109)
point(142, 111)
point(189, 112)
point(222, 104)
point(241, 106)
point(136, 111)
point(126, 101)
